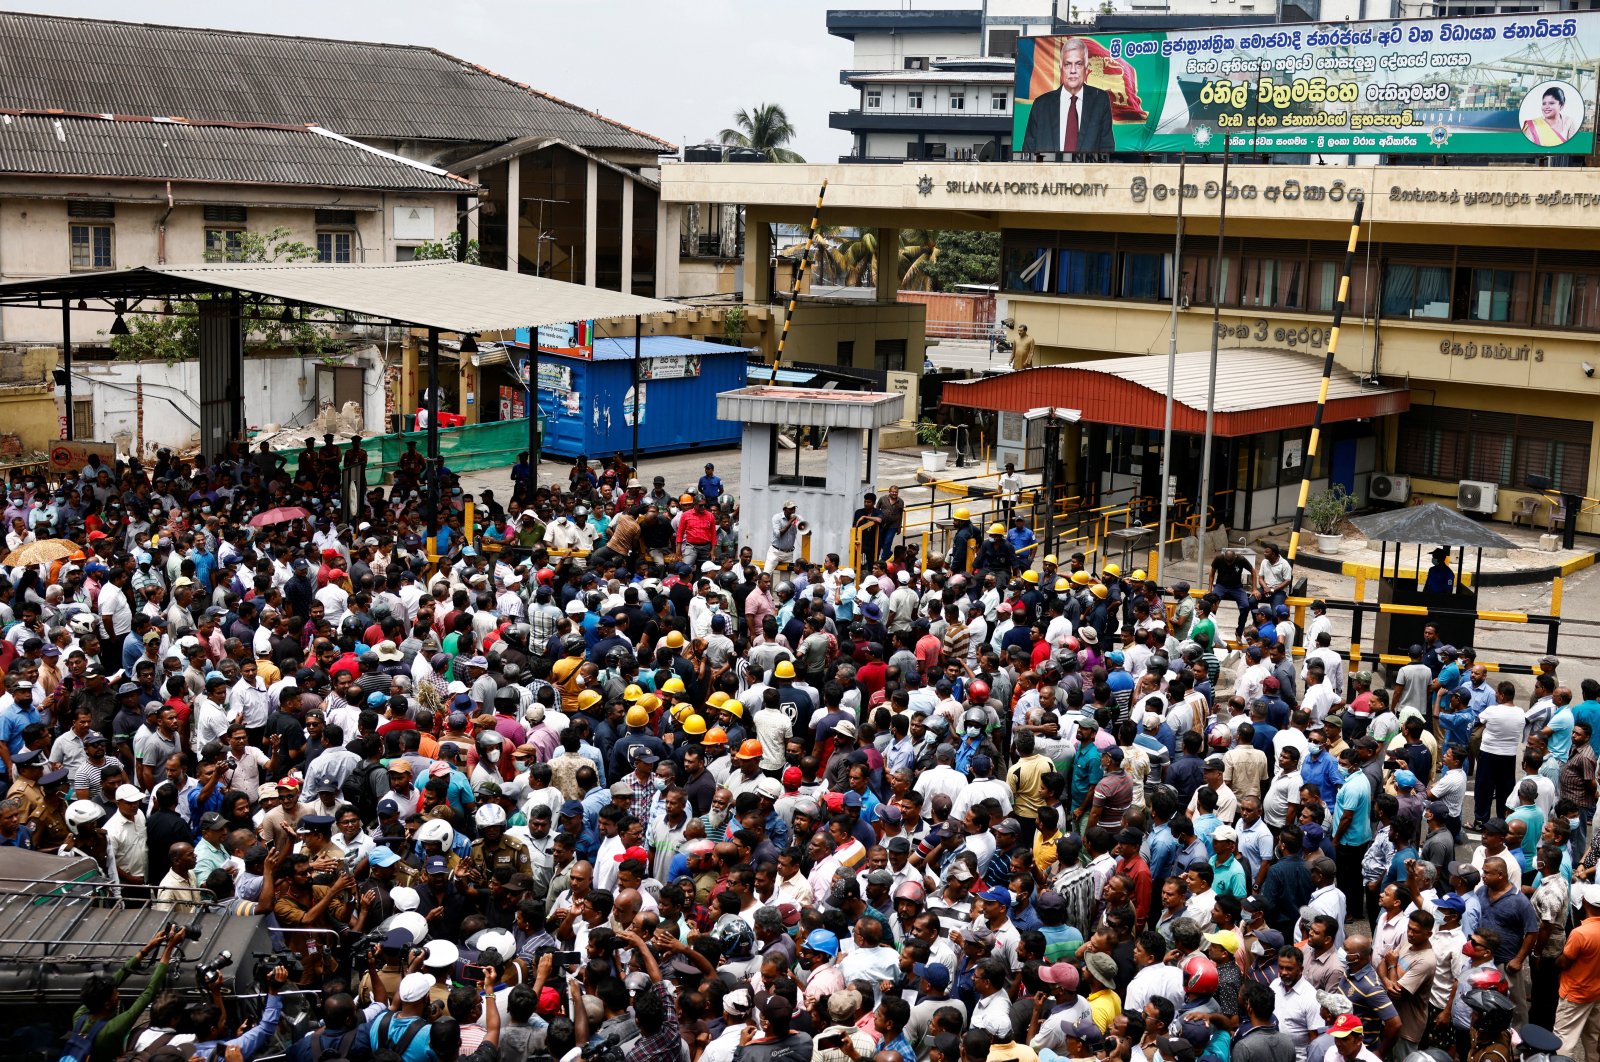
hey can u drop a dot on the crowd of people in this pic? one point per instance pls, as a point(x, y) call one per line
point(635, 797)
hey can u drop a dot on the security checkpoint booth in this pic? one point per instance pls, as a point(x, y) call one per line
point(770, 474)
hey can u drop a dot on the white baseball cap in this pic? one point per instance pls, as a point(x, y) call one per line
point(129, 793)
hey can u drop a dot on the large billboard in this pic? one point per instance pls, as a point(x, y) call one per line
point(1497, 85)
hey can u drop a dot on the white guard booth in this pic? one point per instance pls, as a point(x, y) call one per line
point(770, 475)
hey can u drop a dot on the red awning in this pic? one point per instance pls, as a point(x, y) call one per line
point(1257, 391)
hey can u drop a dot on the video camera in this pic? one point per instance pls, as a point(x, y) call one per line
point(606, 1050)
point(265, 964)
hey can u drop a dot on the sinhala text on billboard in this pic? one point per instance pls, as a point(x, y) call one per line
point(1496, 85)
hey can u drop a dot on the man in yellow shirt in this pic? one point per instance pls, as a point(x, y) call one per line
point(1026, 779)
point(1044, 841)
point(1104, 1004)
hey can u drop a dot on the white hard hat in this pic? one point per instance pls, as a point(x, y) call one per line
point(490, 815)
point(436, 830)
point(83, 813)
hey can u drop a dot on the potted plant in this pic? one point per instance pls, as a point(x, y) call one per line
point(1325, 512)
point(933, 436)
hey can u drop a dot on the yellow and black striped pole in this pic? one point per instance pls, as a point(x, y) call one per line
point(1327, 376)
point(799, 275)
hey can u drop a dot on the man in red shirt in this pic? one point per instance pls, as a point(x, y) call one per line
point(1130, 863)
point(697, 533)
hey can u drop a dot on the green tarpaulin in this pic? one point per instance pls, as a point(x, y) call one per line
point(469, 448)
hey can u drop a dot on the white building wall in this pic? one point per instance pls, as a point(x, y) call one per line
point(278, 390)
point(888, 51)
point(937, 99)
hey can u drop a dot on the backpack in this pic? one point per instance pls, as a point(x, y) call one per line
point(357, 790)
point(149, 1052)
point(79, 1043)
point(341, 1047)
point(399, 1046)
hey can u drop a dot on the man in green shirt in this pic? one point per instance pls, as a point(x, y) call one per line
point(99, 1018)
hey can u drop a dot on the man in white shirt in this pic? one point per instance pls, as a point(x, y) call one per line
point(335, 597)
point(1155, 978)
point(1295, 1003)
point(943, 778)
point(126, 838)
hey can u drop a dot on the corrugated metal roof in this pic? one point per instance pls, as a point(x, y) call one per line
point(1257, 390)
point(154, 149)
point(825, 409)
point(360, 88)
point(449, 296)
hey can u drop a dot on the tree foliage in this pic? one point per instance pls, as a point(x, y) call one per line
point(765, 129)
point(447, 249)
point(965, 258)
point(175, 336)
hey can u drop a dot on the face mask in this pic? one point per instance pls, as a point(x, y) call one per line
point(494, 756)
point(661, 784)
point(974, 731)
point(581, 681)
point(523, 767)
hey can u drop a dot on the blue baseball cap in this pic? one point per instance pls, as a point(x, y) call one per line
point(572, 807)
point(933, 973)
point(996, 895)
point(1450, 902)
point(382, 856)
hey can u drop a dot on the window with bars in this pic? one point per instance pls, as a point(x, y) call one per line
point(224, 244)
point(1438, 442)
point(93, 247)
point(333, 246)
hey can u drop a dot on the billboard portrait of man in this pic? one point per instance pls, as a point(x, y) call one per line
point(1075, 117)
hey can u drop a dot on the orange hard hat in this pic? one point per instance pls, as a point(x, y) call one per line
point(750, 749)
point(715, 736)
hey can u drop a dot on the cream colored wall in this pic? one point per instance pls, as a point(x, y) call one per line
point(1561, 404)
point(706, 276)
point(1541, 361)
point(1125, 198)
point(888, 51)
point(34, 237)
point(818, 328)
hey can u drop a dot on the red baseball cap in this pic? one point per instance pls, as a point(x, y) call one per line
point(791, 776)
point(549, 1001)
point(1345, 1025)
point(634, 853)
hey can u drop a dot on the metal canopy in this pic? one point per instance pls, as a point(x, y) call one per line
point(443, 295)
point(1430, 523)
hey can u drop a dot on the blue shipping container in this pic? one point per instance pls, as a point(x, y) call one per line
point(587, 405)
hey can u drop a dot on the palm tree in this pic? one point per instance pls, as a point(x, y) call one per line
point(765, 129)
point(919, 249)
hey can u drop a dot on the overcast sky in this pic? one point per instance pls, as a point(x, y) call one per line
point(676, 68)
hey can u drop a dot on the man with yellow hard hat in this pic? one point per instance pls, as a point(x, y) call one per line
point(996, 555)
point(620, 764)
point(964, 542)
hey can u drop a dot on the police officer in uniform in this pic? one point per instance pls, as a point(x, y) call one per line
point(495, 848)
point(50, 824)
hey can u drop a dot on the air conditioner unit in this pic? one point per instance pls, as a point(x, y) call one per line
point(1390, 490)
point(1475, 497)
